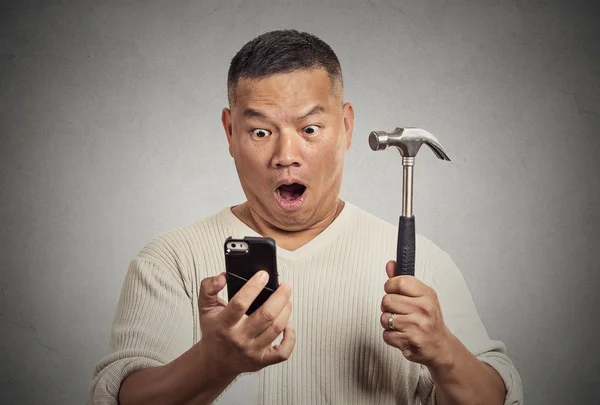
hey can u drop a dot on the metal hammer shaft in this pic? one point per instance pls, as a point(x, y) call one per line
point(407, 186)
point(405, 249)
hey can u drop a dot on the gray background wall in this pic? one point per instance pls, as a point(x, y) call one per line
point(110, 135)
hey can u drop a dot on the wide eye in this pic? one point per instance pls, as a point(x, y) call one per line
point(261, 133)
point(311, 129)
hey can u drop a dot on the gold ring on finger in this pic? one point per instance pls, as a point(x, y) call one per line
point(391, 321)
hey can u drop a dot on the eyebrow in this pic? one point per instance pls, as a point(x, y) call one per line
point(252, 113)
point(318, 109)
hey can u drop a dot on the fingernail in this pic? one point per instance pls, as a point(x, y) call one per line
point(288, 285)
point(264, 276)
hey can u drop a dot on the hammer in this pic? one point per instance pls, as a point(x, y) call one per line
point(408, 140)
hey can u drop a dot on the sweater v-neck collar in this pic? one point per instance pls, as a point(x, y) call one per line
point(308, 249)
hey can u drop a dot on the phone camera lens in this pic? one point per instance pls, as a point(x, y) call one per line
point(233, 245)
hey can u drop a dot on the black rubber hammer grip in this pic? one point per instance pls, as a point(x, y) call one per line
point(405, 253)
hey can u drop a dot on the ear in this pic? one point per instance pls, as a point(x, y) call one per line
point(348, 123)
point(226, 121)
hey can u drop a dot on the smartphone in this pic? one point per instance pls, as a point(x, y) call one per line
point(244, 258)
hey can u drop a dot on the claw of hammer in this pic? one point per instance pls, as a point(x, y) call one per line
point(408, 140)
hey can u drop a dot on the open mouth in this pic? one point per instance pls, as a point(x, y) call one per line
point(291, 192)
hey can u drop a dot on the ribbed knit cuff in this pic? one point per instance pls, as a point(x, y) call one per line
point(111, 372)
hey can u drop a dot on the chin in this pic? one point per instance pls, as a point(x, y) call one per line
point(296, 221)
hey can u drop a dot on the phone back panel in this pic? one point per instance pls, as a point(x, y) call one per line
point(240, 267)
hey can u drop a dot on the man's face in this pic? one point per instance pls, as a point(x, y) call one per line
point(288, 135)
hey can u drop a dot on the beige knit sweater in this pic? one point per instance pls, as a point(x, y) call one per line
point(338, 277)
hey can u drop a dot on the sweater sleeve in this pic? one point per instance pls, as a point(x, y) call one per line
point(153, 325)
point(462, 319)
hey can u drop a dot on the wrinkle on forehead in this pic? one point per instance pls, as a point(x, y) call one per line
point(287, 91)
point(254, 113)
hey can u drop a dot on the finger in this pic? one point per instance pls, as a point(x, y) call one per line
point(268, 312)
point(398, 340)
point(209, 288)
point(406, 285)
point(399, 322)
point(276, 328)
point(399, 304)
point(283, 351)
point(241, 301)
point(386, 319)
point(390, 268)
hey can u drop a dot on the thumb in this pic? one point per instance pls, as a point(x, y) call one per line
point(390, 268)
point(209, 288)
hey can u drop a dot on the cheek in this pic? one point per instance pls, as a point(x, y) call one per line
point(334, 158)
point(329, 155)
point(249, 156)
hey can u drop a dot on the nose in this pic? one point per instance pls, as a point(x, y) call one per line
point(287, 149)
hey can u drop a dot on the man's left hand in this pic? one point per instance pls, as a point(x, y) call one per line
point(418, 328)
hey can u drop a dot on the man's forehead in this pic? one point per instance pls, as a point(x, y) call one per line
point(296, 87)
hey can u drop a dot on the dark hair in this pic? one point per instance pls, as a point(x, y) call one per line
point(282, 51)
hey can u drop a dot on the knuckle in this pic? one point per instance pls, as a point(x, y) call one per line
point(285, 288)
point(408, 332)
point(267, 314)
point(425, 324)
point(433, 294)
point(278, 327)
point(284, 355)
point(431, 307)
point(424, 308)
point(386, 302)
point(384, 319)
point(387, 337)
point(204, 284)
point(287, 307)
point(237, 304)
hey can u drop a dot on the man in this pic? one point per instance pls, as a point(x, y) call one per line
point(176, 341)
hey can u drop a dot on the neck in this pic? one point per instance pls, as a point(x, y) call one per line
point(288, 240)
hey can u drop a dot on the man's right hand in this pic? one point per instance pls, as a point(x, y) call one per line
point(232, 343)
point(237, 343)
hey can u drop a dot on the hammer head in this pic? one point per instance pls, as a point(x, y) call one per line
point(408, 140)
